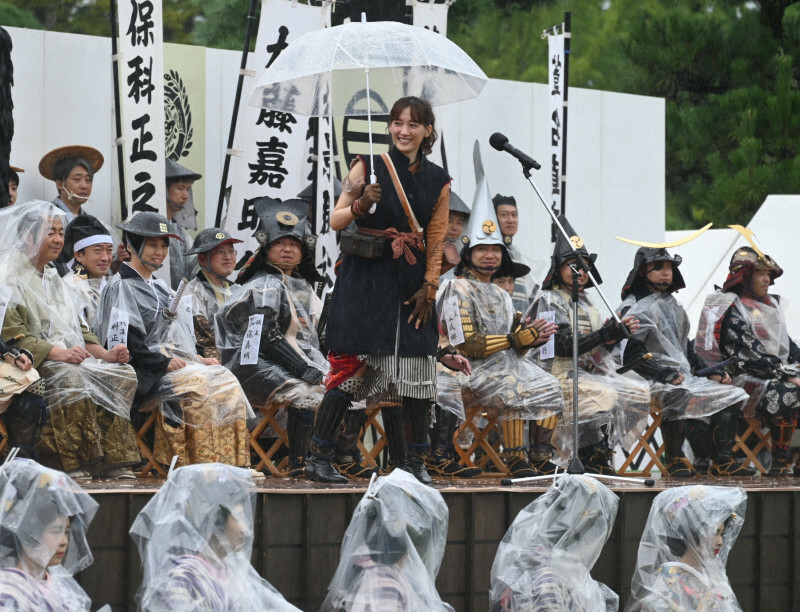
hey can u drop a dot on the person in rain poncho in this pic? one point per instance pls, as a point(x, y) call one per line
point(210, 288)
point(88, 389)
point(746, 323)
point(479, 319)
point(88, 252)
point(285, 366)
point(202, 410)
point(380, 333)
point(195, 539)
point(544, 560)
point(44, 516)
point(684, 549)
point(392, 550)
point(664, 333)
point(180, 216)
point(612, 408)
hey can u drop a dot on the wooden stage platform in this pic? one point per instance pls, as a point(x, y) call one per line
point(299, 529)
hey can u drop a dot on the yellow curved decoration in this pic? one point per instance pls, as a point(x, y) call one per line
point(748, 234)
point(667, 245)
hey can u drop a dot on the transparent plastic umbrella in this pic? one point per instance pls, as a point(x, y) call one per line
point(319, 73)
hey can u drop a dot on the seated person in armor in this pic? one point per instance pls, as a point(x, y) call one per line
point(745, 323)
point(480, 323)
point(180, 215)
point(684, 549)
point(682, 397)
point(88, 252)
point(612, 408)
point(202, 411)
point(274, 302)
point(544, 561)
point(211, 287)
point(392, 550)
point(88, 390)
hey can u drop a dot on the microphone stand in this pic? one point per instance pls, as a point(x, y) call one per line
point(575, 465)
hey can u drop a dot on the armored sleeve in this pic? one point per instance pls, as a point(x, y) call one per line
point(275, 347)
point(434, 235)
point(651, 369)
point(586, 342)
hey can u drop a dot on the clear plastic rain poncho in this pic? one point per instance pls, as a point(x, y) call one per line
point(604, 397)
point(544, 560)
point(195, 539)
point(684, 549)
point(42, 307)
point(392, 549)
point(37, 506)
point(506, 382)
point(136, 304)
point(289, 308)
point(765, 319)
point(664, 330)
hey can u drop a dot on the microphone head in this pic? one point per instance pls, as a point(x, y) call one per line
point(497, 140)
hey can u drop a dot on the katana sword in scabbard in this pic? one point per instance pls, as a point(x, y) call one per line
point(715, 368)
point(323, 317)
point(171, 311)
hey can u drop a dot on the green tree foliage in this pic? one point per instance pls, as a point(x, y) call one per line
point(728, 70)
point(15, 16)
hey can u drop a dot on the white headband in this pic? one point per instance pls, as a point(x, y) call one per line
point(92, 240)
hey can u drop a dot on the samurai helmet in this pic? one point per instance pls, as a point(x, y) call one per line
point(482, 227)
point(145, 225)
point(564, 250)
point(458, 205)
point(279, 219)
point(636, 282)
point(210, 239)
point(743, 262)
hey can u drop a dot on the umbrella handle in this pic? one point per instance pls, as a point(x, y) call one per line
point(372, 177)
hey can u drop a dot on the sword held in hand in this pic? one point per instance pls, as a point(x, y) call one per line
point(171, 311)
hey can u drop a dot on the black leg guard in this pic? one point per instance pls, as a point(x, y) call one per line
point(442, 432)
point(332, 410)
point(416, 413)
point(24, 418)
point(677, 465)
point(724, 425)
point(347, 444)
point(698, 434)
point(300, 425)
point(395, 436)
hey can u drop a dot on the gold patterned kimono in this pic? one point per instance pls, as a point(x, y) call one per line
point(88, 403)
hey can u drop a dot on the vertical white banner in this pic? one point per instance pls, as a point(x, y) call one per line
point(556, 89)
point(324, 202)
point(273, 147)
point(141, 70)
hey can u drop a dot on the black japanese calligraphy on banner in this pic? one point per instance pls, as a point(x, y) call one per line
point(273, 160)
point(556, 91)
point(142, 105)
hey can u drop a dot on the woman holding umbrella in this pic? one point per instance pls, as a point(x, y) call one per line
point(381, 336)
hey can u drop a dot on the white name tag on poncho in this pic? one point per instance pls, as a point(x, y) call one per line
point(548, 349)
point(252, 340)
point(117, 328)
point(452, 318)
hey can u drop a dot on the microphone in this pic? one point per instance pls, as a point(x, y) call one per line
point(500, 142)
